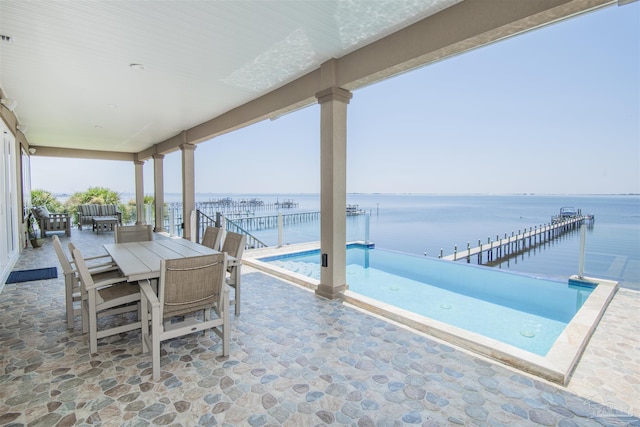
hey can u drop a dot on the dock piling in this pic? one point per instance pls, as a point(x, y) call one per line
point(516, 243)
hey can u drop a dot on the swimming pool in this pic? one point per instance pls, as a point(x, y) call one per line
point(538, 325)
point(523, 311)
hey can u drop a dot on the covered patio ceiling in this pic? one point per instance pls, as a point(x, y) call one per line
point(128, 79)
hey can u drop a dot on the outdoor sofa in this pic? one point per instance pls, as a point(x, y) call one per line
point(87, 212)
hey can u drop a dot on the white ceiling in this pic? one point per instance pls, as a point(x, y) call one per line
point(68, 64)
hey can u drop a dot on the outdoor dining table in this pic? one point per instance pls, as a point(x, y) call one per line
point(141, 260)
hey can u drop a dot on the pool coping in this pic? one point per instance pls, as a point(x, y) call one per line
point(557, 366)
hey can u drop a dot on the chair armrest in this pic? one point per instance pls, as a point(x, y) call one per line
point(97, 257)
point(107, 282)
point(94, 271)
point(102, 264)
point(109, 264)
point(96, 266)
point(103, 269)
point(148, 293)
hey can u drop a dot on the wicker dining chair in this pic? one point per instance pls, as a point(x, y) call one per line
point(189, 289)
point(133, 233)
point(233, 245)
point(212, 237)
point(105, 297)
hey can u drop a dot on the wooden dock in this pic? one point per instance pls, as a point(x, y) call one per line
point(241, 207)
point(245, 225)
point(271, 221)
point(504, 247)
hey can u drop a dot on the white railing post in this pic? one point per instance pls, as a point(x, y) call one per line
point(147, 214)
point(193, 225)
point(223, 226)
point(280, 229)
point(583, 235)
point(366, 228)
point(172, 222)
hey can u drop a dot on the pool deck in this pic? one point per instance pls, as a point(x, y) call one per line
point(295, 360)
point(559, 366)
point(556, 366)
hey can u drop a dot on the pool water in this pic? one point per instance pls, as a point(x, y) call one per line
point(524, 311)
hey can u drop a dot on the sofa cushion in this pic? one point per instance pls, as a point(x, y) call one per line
point(90, 210)
point(108, 210)
point(41, 212)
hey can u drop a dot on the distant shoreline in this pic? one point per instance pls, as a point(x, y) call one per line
point(390, 194)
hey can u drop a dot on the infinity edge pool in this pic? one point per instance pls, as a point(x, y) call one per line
point(556, 366)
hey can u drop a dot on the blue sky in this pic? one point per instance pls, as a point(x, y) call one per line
point(552, 111)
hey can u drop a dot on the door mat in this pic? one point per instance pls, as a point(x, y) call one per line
point(30, 275)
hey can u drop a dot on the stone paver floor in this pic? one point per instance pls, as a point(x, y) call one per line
point(295, 360)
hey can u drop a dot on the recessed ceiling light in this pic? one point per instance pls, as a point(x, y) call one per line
point(137, 66)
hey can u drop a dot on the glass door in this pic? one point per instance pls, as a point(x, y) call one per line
point(8, 199)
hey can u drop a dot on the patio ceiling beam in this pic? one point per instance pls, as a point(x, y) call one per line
point(82, 154)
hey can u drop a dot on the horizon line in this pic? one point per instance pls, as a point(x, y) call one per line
point(390, 194)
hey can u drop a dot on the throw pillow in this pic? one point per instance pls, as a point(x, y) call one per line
point(42, 212)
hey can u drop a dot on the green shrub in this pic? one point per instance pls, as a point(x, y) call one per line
point(46, 198)
point(94, 195)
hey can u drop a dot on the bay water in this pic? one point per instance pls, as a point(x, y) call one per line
point(425, 224)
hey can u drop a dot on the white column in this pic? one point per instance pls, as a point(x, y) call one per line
point(188, 187)
point(333, 191)
point(158, 191)
point(139, 191)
